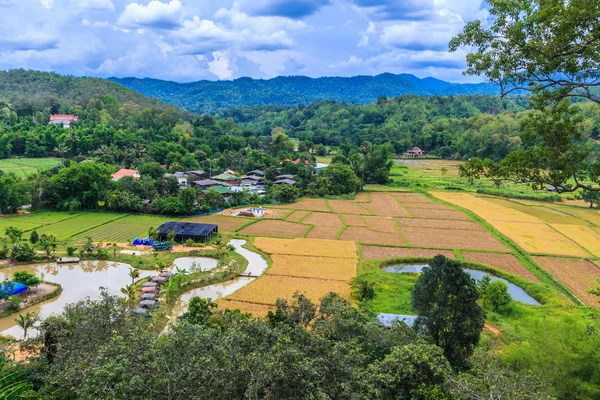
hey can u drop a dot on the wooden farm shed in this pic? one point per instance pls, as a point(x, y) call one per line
point(188, 230)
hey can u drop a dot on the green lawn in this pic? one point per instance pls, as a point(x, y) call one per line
point(27, 166)
point(124, 229)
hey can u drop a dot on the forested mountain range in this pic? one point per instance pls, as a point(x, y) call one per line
point(209, 96)
point(31, 91)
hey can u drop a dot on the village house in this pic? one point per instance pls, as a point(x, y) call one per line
point(227, 178)
point(414, 152)
point(123, 172)
point(256, 172)
point(252, 180)
point(196, 175)
point(204, 184)
point(64, 119)
point(222, 190)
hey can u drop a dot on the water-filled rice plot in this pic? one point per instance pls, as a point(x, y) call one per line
point(297, 215)
point(365, 235)
point(326, 225)
point(125, 229)
point(439, 224)
point(274, 227)
point(385, 204)
point(353, 220)
point(380, 252)
point(307, 247)
point(381, 224)
point(578, 275)
point(78, 225)
point(268, 288)
point(339, 269)
point(226, 223)
point(346, 207)
point(452, 239)
point(502, 262)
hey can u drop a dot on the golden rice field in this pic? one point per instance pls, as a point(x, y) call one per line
point(381, 252)
point(258, 310)
point(274, 227)
point(584, 236)
point(326, 225)
point(503, 262)
point(307, 247)
point(268, 288)
point(578, 275)
point(339, 269)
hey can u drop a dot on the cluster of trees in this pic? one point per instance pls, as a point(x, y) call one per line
point(97, 349)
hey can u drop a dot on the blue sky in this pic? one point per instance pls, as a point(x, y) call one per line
point(185, 40)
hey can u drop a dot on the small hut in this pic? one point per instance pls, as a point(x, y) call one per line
point(150, 290)
point(149, 284)
point(148, 303)
point(148, 296)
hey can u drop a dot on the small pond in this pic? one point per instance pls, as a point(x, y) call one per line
point(515, 291)
point(200, 263)
point(78, 281)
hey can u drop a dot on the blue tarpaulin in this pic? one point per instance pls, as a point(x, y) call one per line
point(137, 241)
point(10, 288)
point(148, 242)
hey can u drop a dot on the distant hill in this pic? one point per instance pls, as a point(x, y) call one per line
point(48, 90)
point(209, 96)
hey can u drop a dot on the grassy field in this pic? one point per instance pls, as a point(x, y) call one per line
point(27, 166)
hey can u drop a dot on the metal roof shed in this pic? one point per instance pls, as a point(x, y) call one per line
point(188, 230)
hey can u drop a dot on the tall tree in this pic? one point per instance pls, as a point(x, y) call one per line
point(445, 298)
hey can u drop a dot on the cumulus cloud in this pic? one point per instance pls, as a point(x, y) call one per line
point(397, 10)
point(47, 3)
point(26, 42)
point(220, 65)
point(105, 5)
point(155, 15)
point(294, 9)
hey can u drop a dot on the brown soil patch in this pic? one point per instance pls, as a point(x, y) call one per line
point(307, 247)
point(297, 215)
point(364, 235)
point(578, 275)
point(346, 207)
point(503, 262)
point(428, 206)
point(353, 220)
point(384, 204)
point(408, 197)
point(381, 224)
point(273, 227)
point(452, 239)
point(379, 252)
point(258, 310)
point(326, 225)
point(440, 224)
point(442, 214)
point(362, 197)
point(338, 269)
point(308, 204)
point(39, 291)
point(226, 223)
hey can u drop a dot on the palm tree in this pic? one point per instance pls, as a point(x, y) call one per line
point(61, 150)
point(13, 387)
point(27, 321)
point(134, 274)
point(129, 291)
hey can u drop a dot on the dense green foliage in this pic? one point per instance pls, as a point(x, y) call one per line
point(209, 96)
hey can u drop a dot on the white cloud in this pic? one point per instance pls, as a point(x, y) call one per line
point(220, 65)
point(365, 36)
point(155, 15)
point(105, 5)
point(47, 3)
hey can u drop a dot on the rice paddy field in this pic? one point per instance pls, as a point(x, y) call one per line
point(27, 166)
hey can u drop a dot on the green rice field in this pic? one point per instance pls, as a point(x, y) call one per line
point(124, 229)
point(27, 166)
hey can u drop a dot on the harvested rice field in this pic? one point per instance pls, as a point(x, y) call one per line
point(346, 207)
point(381, 224)
point(257, 310)
point(540, 239)
point(452, 239)
point(546, 214)
point(385, 204)
point(584, 236)
point(307, 247)
point(380, 252)
point(353, 220)
point(268, 288)
point(339, 269)
point(438, 214)
point(276, 213)
point(408, 197)
point(326, 225)
point(429, 206)
point(502, 262)
point(362, 197)
point(440, 224)
point(297, 215)
point(308, 204)
point(274, 227)
point(365, 235)
point(226, 223)
point(578, 275)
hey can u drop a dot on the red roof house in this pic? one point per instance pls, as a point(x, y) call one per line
point(125, 172)
point(414, 152)
point(65, 119)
